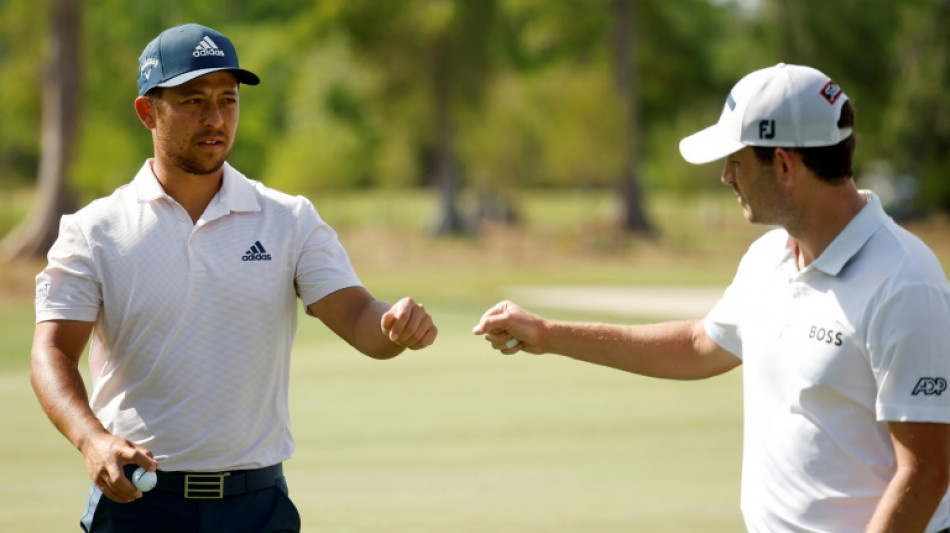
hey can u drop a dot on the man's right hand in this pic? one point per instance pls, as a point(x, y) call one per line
point(106, 455)
point(510, 329)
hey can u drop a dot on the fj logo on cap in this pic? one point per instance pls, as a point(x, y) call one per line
point(766, 129)
point(207, 48)
point(831, 92)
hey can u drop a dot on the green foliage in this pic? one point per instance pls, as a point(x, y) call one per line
point(666, 170)
point(326, 139)
point(107, 155)
point(14, 205)
point(920, 118)
point(582, 136)
point(681, 58)
point(22, 47)
point(503, 143)
point(350, 89)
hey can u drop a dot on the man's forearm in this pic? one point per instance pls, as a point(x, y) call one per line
point(62, 394)
point(373, 342)
point(909, 502)
point(672, 350)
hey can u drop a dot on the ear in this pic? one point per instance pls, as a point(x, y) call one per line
point(145, 111)
point(785, 164)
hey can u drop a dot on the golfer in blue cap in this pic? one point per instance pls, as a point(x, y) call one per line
point(187, 279)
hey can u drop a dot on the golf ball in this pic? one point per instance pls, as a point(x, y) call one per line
point(512, 342)
point(144, 480)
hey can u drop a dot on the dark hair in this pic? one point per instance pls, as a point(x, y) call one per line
point(155, 93)
point(829, 163)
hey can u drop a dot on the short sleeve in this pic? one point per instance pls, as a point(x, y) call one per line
point(68, 287)
point(722, 322)
point(909, 351)
point(323, 266)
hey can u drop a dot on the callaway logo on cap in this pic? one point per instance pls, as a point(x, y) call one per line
point(183, 53)
point(790, 106)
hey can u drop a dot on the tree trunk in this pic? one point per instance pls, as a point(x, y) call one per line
point(34, 236)
point(450, 221)
point(632, 216)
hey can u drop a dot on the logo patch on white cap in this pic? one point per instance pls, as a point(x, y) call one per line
point(791, 106)
point(831, 92)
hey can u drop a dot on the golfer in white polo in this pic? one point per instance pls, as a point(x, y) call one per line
point(839, 317)
point(188, 279)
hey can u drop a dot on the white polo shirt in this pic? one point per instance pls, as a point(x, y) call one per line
point(830, 354)
point(194, 322)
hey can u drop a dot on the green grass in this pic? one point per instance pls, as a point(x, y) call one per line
point(457, 438)
point(453, 438)
point(16, 334)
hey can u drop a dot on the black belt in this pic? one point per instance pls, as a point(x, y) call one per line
point(218, 485)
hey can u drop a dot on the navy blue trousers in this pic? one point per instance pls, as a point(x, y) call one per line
point(264, 511)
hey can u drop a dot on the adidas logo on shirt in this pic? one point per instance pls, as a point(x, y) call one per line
point(256, 253)
point(206, 47)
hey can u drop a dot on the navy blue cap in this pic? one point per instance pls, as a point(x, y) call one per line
point(183, 53)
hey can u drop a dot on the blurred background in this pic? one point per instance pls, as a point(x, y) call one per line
point(471, 101)
point(468, 151)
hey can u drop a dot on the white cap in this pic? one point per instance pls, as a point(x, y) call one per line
point(790, 106)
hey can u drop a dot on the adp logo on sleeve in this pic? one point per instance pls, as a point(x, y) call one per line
point(930, 387)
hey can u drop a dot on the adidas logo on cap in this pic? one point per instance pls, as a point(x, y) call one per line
point(256, 253)
point(183, 53)
point(207, 48)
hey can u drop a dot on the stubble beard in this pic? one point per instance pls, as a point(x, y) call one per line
point(179, 156)
point(194, 165)
point(772, 207)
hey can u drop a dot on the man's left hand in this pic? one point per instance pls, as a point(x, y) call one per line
point(409, 325)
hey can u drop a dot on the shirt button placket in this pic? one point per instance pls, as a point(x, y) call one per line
point(194, 255)
point(188, 228)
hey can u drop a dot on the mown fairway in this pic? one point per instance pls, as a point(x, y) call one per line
point(452, 439)
point(457, 438)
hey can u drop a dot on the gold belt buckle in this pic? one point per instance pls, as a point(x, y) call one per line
point(205, 486)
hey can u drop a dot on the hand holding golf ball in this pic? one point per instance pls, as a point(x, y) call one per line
point(510, 329)
point(144, 480)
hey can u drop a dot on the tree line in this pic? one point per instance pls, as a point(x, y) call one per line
point(481, 96)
